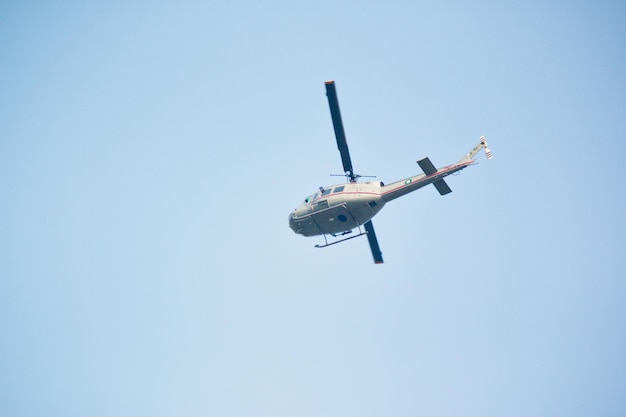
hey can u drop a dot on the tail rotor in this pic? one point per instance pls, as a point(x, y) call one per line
point(483, 141)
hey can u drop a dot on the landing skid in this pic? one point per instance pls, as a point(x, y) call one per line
point(326, 244)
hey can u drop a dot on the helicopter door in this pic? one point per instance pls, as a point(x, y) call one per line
point(320, 205)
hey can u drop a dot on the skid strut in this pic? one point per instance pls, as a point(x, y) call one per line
point(339, 241)
point(361, 233)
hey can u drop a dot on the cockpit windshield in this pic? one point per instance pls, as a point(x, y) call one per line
point(311, 198)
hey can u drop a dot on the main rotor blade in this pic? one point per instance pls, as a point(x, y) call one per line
point(371, 238)
point(342, 144)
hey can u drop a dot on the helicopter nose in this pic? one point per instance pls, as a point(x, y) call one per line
point(292, 223)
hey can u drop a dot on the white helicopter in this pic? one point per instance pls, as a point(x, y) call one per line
point(339, 209)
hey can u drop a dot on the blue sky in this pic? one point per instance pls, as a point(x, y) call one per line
point(150, 153)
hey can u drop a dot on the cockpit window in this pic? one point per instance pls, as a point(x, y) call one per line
point(326, 191)
point(311, 198)
point(338, 189)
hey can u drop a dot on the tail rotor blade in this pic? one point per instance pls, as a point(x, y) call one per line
point(371, 238)
point(342, 144)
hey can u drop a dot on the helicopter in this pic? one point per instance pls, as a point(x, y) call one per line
point(339, 209)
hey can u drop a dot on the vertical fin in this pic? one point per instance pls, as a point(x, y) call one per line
point(471, 154)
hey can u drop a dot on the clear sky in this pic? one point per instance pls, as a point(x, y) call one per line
point(150, 153)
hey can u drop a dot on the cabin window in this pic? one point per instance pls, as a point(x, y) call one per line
point(338, 189)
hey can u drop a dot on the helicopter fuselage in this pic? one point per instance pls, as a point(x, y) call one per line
point(337, 209)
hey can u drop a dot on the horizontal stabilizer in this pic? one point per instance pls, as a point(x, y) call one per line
point(429, 169)
point(427, 166)
point(442, 187)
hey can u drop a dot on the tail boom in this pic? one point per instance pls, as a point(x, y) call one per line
point(402, 187)
point(432, 175)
